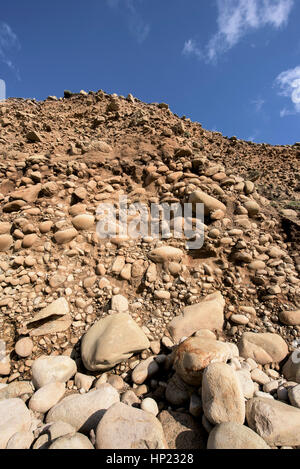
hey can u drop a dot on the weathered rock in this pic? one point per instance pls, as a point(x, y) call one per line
point(263, 348)
point(290, 318)
point(83, 222)
point(65, 236)
point(124, 427)
point(20, 440)
point(23, 347)
point(231, 435)
point(166, 254)
point(119, 303)
point(195, 354)
point(291, 369)
point(84, 411)
point(209, 314)
point(246, 383)
point(14, 418)
point(6, 241)
point(210, 203)
point(277, 423)
point(144, 370)
point(294, 396)
point(111, 341)
point(222, 395)
point(182, 431)
point(50, 432)
point(50, 369)
point(20, 389)
point(149, 405)
point(46, 397)
point(29, 194)
point(76, 441)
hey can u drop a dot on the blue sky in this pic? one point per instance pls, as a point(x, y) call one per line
point(232, 65)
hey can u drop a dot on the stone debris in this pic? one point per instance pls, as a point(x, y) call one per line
point(125, 339)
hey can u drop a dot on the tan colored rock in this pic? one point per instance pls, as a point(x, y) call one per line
point(21, 440)
point(83, 222)
point(76, 441)
point(166, 254)
point(29, 240)
point(222, 395)
point(210, 203)
point(5, 227)
point(231, 435)
point(277, 423)
point(14, 418)
point(5, 242)
point(112, 340)
point(290, 318)
point(45, 226)
point(182, 431)
point(125, 427)
point(194, 354)
point(50, 369)
point(29, 194)
point(65, 236)
point(209, 314)
point(46, 397)
point(263, 347)
point(23, 347)
point(291, 369)
point(144, 370)
point(84, 411)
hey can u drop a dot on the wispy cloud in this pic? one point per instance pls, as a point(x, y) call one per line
point(136, 24)
point(191, 48)
point(8, 42)
point(258, 104)
point(235, 19)
point(289, 85)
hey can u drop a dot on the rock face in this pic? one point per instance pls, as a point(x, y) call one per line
point(85, 411)
point(277, 423)
point(222, 395)
point(124, 427)
point(14, 417)
point(231, 435)
point(47, 370)
point(110, 341)
point(195, 354)
point(263, 348)
point(209, 314)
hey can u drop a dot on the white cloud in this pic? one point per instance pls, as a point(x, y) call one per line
point(137, 26)
point(289, 84)
point(190, 47)
point(238, 17)
point(258, 103)
point(8, 41)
